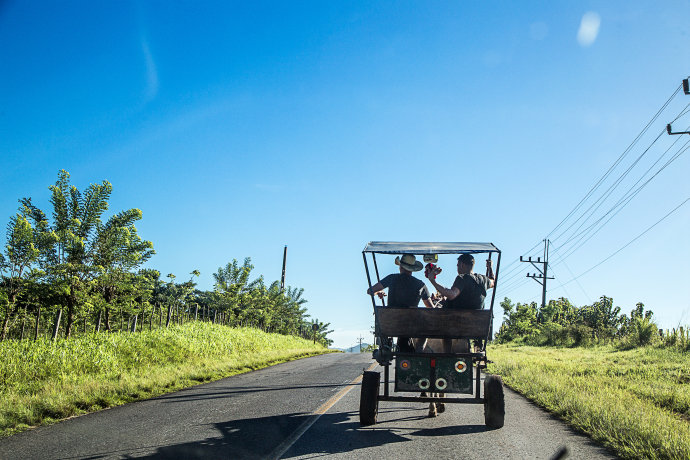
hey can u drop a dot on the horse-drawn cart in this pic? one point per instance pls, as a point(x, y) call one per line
point(431, 373)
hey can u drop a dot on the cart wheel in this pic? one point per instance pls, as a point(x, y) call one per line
point(494, 403)
point(368, 399)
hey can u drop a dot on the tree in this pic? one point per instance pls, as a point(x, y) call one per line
point(117, 252)
point(22, 252)
point(320, 331)
point(518, 320)
point(83, 248)
point(601, 316)
point(239, 296)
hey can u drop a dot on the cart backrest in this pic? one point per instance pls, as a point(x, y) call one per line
point(437, 323)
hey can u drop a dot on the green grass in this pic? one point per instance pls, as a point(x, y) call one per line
point(637, 402)
point(42, 382)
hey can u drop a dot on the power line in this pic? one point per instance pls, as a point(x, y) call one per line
point(628, 243)
point(610, 190)
point(620, 158)
point(624, 201)
point(576, 235)
point(511, 280)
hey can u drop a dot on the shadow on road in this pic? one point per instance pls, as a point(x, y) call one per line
point(258, 437)
point(451, 430)
point(193, 393)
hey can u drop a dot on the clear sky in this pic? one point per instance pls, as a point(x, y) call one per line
point(241, 127)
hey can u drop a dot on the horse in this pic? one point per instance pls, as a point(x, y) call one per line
point(425, 345)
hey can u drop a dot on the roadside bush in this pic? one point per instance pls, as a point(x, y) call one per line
point(677, 338)
point(581, 335)
point(562, 324)
point(643, 331)
point(549, 334)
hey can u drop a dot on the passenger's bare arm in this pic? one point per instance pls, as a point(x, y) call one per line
point(490, 273)
point(449, 294)
point(375, 288)
point(427, 303)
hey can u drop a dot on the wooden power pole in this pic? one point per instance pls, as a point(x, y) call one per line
point(543, 272)
point(282, 277)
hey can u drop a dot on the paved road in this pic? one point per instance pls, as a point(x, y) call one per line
point(302, 409)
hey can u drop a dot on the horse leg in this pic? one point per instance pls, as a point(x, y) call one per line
point(433, 410)
point(440, 407)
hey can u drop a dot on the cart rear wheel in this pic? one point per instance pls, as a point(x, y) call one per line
point(494, 402)
point(368, 399)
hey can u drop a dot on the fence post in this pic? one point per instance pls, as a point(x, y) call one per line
point(38, 322)
point(167, 321)
point(56, 327)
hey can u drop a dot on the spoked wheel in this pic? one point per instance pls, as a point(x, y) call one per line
point(368, 399)
point(494, 402)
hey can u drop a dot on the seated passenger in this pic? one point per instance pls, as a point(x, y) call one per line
point(468, 292)
point(469, 289)
point(404, 290)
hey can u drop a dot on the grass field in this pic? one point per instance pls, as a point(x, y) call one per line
point(637, 402)
point(45, 381)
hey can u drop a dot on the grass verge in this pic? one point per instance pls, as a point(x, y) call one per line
point(43, 382)
point(636, 402)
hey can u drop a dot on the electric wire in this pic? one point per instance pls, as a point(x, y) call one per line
point(571, 274)
point(609, 191)
point(575, 235)
point(627, 244)
point(606, 175)
point(511, 279)
point(615, 164)
point(625, 200)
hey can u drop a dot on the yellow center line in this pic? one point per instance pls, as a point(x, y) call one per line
point(313, 417)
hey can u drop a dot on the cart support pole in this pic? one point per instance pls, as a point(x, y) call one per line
point(493, 297)
point(378, 278)
point(366, 268)
point(373, 302)
point(385, 379)
point(479, 381)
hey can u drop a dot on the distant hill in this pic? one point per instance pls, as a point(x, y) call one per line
point(354, 349)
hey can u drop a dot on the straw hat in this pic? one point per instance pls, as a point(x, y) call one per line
point(409, 263)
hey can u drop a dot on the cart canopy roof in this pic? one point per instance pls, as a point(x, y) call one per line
point(398, 247)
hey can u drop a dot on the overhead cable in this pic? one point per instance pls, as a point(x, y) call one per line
point(628, 243)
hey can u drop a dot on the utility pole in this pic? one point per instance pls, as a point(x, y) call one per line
point(360, 342)
point(686, 90)
point(282, 277)
point(543, 272)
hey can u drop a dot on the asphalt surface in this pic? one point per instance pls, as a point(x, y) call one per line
point(302, 409)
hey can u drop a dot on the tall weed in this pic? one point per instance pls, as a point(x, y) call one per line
point(635, 401)
point(45, 380)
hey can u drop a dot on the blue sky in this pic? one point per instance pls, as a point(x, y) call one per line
point(241, 127)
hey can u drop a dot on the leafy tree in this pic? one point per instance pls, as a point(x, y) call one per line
point(320, 331)
point(21, 253)
point(601, 316)
point(518, 320)
point(76, 216)
point(83, 247)
point(118, 252)
point(239, 296)
point(559, 311)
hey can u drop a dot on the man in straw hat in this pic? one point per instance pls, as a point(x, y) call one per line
point(404, 290)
